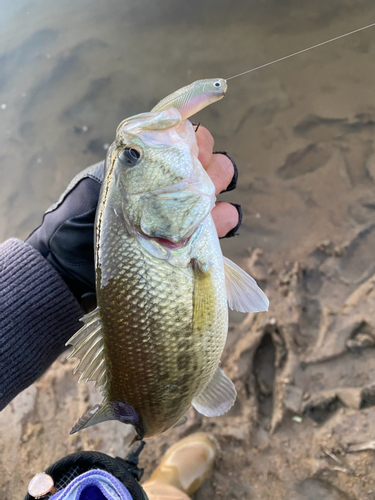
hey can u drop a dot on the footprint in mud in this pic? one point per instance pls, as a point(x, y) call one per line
point(319, 129)
point(304, 161)
point(264, 372)
point(357, 152)
point(362, 211)
point(354, 139)
point(321, 409)
point(315, 489)
point(358, 262)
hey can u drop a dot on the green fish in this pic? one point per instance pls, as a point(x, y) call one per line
point(163, 287)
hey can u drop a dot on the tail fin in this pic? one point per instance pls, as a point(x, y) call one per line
point(97, 414)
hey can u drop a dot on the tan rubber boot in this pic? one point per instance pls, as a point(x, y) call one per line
point(183, 468)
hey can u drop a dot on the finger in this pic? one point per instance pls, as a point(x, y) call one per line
point(226, 217)
point(205, 143)
point(233, 183)
point(221, 171)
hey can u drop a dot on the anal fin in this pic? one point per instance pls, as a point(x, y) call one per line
point(95, 415)
point(109, 410)
point(217, 397)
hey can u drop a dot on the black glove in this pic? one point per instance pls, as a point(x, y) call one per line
point(232, 185)
point(66, 236)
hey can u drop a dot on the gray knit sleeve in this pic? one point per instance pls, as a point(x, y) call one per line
point(38, 314)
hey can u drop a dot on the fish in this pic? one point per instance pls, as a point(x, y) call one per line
point(154, 343)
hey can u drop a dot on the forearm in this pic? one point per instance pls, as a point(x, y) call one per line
point(38, 314)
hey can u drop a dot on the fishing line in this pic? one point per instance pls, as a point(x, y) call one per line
point(301, 51)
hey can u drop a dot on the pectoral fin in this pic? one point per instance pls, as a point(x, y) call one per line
point(217, 397)
point(243, 293)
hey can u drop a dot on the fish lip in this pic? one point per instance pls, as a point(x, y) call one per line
point(171, 245)
point(168, 244)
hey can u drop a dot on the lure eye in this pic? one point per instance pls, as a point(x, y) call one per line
point(129, 156)
point(217, 84)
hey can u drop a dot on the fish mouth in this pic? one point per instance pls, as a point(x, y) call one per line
point(171, 245)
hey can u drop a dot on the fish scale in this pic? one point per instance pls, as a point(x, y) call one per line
point(161, 305)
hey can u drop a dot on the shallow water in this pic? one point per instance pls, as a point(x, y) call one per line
point(301, 130)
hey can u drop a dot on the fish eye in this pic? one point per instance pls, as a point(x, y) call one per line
point(217, 84)
point(129, 156)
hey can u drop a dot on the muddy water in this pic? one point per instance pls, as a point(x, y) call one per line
point(301, 131)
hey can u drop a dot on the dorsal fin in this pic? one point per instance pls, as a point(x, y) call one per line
point(89, 349)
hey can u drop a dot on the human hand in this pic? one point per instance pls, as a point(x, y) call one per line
point(223, 172)
point(66, 236)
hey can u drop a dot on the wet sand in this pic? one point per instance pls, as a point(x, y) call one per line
point(302, 134)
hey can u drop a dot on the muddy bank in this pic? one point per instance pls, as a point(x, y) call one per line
point(302, 426)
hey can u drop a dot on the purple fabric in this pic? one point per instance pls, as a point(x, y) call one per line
point(94, 485)
point(38, 315)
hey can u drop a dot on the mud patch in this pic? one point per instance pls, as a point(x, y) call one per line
point(315, 489)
